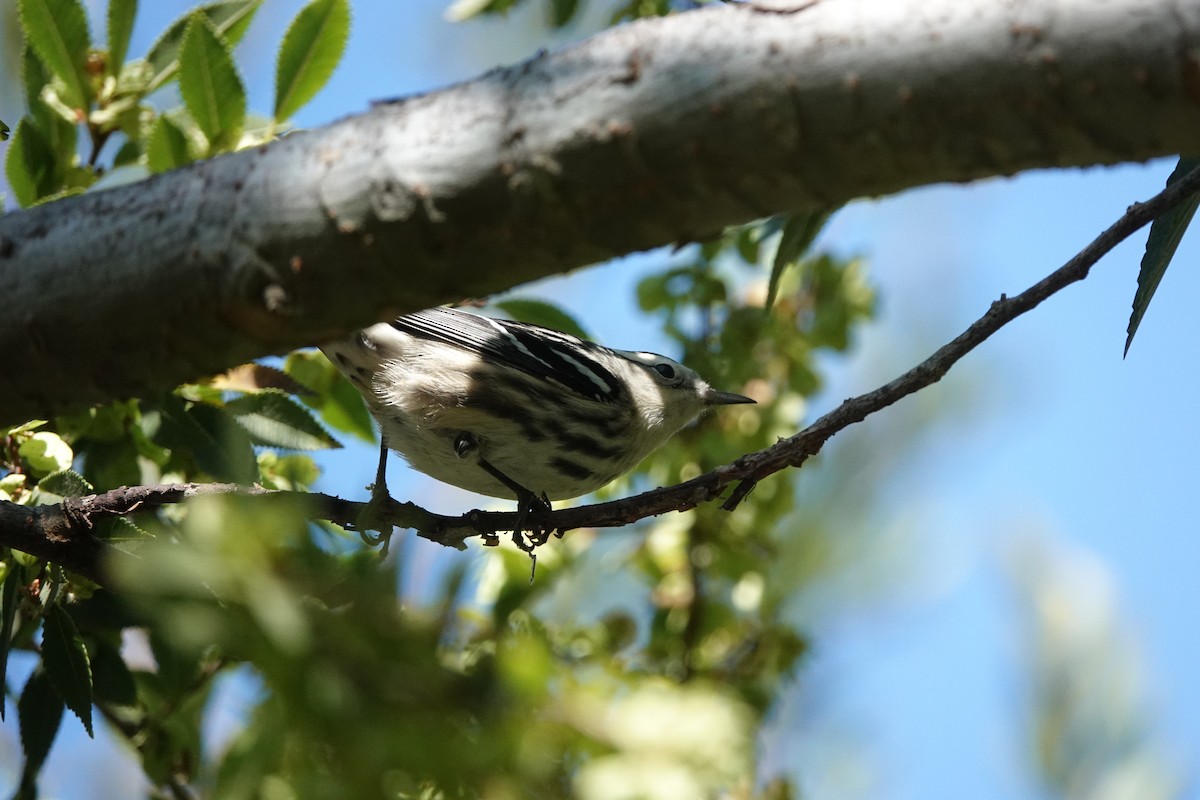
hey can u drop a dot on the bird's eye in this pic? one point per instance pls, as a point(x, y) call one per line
point(666, 370)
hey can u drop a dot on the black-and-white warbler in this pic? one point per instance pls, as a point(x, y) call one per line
point(509, 409)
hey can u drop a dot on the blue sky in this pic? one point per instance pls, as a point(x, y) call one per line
point(1052, 438)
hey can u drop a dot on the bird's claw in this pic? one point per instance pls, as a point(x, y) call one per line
point(373, 523)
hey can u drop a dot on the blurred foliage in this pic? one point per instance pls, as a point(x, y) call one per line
point(1088, 704)
point(478, 694)
point(483, 692)
point(638, 665)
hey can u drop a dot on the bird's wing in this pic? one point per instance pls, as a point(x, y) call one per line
point(540, 352)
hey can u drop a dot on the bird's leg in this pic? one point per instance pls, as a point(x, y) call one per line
point(464, 445)
point(531, 508)
point(531, 511)
point(372, 517)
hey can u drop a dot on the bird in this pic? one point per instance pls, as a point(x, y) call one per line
point(515, 410)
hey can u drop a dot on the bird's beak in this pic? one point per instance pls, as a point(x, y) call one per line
point(714, 398)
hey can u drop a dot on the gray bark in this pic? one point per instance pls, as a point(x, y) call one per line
point(652, 133)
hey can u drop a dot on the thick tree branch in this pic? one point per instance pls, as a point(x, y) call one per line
point(651, 133)
point(48, 532)
point(63, 533)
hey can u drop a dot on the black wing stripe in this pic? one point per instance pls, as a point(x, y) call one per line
point(465, 331)
point(541, 352)
point(567, 363)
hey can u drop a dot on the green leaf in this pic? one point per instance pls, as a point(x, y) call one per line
point(4, 131)
point(67, 664)
point(256, 377)
point(274, 419)
point(29, 165)
point(59, 195)
point(799, 232)
point(128, 155)
point(113, 681)
point(58, 31)
point(9, 603)
point(12, 484)
point(67, 483)
point(209, 83)
point(747, 242)
point(562, 12)
point(167, 146)
point(59, 132)
point(291, 472)
point(112, 464)
point(1165, 235)
point(334, 398)
point(33, 75)
point(26, 427)
point(230, 19)
point(104, 615)
point(122, 530)
point(46, 452)
point(217, 444)
point(539, 312)
point(121, 14)
point(311, 49)
point(346, 411)
point(40, 711)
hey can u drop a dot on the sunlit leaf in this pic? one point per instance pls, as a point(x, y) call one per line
point(167, 146)
point(274, 419)
point(291, 472)
point(230, 19)
point(12, 485)
point(345, 410)
point(46, 452)
point(337, 401)
point(55, 126)
point(256, 377)
point(310, 51)
point(58, 31)
point(121, 14)
point(208, 80)
point(66, 483)
point(29, 164)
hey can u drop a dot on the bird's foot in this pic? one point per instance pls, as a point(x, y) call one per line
point(373, 522)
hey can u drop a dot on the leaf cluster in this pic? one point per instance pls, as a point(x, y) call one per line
point(232, 428)
point(80, 95)
point(84, 100)
point(485, 690)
